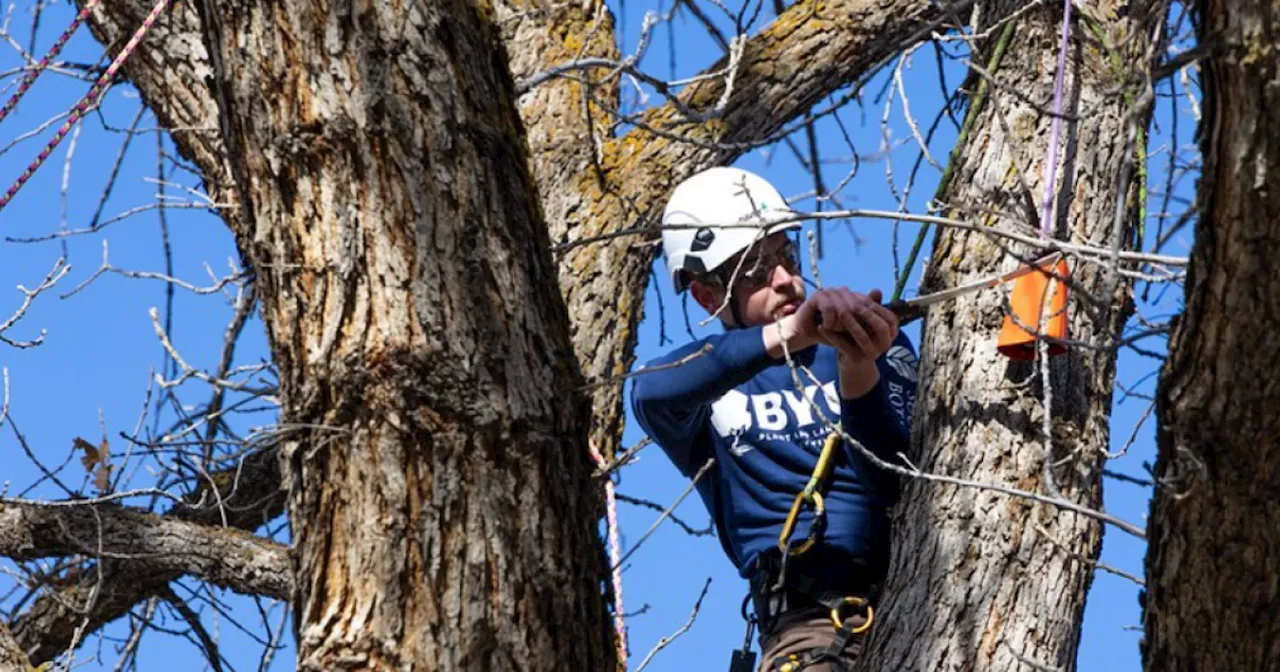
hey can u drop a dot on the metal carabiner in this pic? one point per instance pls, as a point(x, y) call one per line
point(809, 495)
point(856, 603)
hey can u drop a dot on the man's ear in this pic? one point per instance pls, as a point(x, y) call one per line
point(708, 295)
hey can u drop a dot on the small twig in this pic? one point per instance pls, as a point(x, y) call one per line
point(273, 645)
point(1088, 561)
point(4, 409)
point(1124, 450)
point(650, 369)
point(59, 271)
point(130, 650)
point(189, 371)
point(662, 643)
point(106, 267)
point(105, 499)
point(658, 507)
point(665, 514)
point(906, 112)
point(1127, 478)
point(621, 460)
point(193, 620)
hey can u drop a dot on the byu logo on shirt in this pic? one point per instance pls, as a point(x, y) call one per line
point(735, 412)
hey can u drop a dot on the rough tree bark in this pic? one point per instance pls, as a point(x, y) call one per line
point(1212, 578)
point(440, 496)
point(980, 579)
point(12, 659)
point(343, 327)
point(225, 557)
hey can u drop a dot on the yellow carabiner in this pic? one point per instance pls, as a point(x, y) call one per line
point(809, 494)
point(789, 525)
point(855, 602)
point(823, 466)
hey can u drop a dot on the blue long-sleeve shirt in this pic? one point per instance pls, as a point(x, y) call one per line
point(739, 405)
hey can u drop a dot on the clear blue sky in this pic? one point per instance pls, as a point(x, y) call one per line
point(101, 347)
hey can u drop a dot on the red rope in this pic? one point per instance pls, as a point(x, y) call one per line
point(87, 103)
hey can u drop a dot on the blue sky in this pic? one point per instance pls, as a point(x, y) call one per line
point(95, 366)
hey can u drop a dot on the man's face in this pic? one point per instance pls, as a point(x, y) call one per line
point(766, 285)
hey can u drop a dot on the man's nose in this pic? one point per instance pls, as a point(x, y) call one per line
point(780, 277)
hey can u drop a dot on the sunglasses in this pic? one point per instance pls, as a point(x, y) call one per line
point(755, 273)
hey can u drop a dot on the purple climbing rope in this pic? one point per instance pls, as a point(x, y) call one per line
point(1051, 168)
point(87, 103)
point(30, 78)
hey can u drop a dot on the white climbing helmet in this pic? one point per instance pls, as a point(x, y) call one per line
point(708, 212)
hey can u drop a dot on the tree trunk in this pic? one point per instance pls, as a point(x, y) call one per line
point(439, 484)
point(980, 579)
point(567, 124)
point(1212, 575)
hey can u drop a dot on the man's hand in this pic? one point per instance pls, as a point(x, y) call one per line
point(857, 326)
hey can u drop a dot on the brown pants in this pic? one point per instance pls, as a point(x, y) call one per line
point(802, 630)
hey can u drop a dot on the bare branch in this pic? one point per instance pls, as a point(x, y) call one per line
point(665, 514)
point(59, 271)
point(658, 507)
point(153, 544)
point(662, 643)
point(250, 495)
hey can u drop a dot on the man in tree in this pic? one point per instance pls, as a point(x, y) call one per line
point(734, 398)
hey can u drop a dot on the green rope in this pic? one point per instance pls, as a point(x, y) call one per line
point(970, 120)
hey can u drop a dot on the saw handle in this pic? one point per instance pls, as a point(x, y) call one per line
point(906, 312)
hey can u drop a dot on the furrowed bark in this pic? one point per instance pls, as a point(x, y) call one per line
point(565, 128)
point(12, 659)
point(441, 506)
point(147, 545)
point(975, 583)
point(1212, 578)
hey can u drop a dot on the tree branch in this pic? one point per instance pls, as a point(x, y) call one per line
point(248, 496)
point(151, 544)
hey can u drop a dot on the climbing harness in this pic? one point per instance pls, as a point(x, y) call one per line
point(830, 654)
point(779, 585)
point(90, 99)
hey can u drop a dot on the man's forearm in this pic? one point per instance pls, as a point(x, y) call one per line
point(784, 331)
point(856, 380)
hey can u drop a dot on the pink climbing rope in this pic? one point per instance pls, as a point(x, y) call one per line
point(1051, 168)
point(87, 103)
point(615, 558)
point(30, 78)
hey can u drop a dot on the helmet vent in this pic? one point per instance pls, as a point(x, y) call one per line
point(702, 240)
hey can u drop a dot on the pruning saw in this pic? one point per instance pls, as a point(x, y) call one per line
point(910, 310)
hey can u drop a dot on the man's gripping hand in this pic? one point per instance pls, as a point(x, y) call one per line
point(857, 326)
